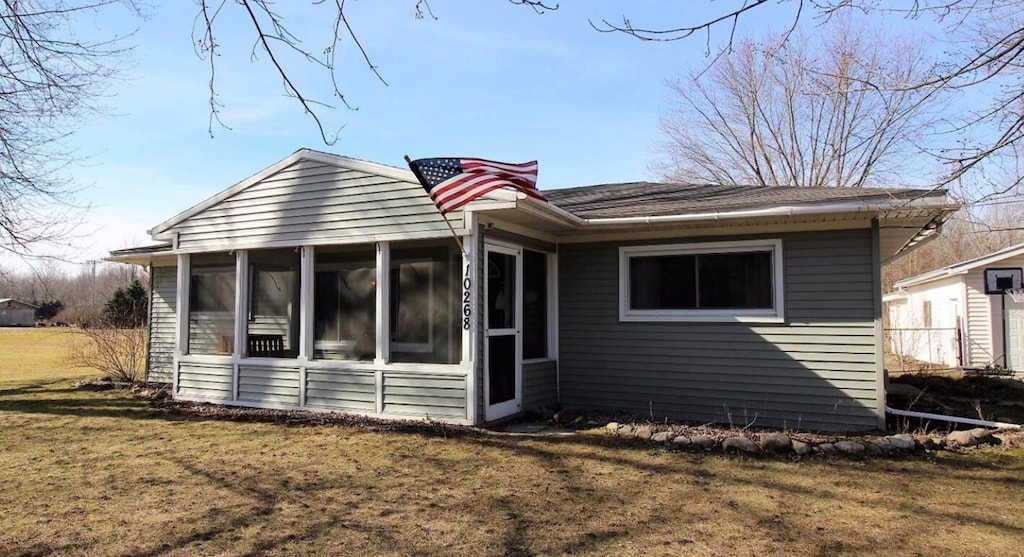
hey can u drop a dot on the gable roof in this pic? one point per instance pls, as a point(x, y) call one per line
point(658, 199)
point(4, 301)
point(302, 154)
point(963, 267)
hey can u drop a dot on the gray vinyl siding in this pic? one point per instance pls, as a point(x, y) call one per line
point(163, 325)
point(818, 370)
point(311, 202)
point(212, 381)
point(341, 390)
point(268, 385)
point(540, 384)
point(422, 394)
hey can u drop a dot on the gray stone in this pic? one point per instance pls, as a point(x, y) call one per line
point(612, 427)
point(662, 437)
point(625, 430)
point(774, 441)
point(879, 446)
point(580, 420)
point(984, 436)
point(702, 441)
point(961, 438)
point(740, 444)
point(849, 447)
point(644, 432)
point(681, 441)
point(801, 448)
point(902, 442)
point(826, 448)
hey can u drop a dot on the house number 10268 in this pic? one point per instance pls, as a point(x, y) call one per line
point(467, 308)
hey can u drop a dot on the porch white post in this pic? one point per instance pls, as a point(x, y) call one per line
point(307, 274)
point(181, 307)
point(470, 286)
point(383, 332)
point(241, 314)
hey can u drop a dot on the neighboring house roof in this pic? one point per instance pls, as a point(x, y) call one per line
point(655, 199)
point(963, 267)
point(8, 301)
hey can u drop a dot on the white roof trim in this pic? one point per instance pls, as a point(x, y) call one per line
point(300, 155)
point(852, 206)
point(963, 267)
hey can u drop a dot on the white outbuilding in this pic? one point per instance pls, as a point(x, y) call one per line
point(15, 313)
point(962, 315)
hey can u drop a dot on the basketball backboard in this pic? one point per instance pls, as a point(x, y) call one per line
point(1001, 279)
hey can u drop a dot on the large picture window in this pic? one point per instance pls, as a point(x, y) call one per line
point(211, 304)
point(725, 281)
point(274, 315)
point(344, 300)
point(425, 283)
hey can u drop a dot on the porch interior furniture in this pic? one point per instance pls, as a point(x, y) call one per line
point(266, 346)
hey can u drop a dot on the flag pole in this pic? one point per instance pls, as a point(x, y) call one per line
point(458, 241)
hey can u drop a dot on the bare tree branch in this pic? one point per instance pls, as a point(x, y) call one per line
point(798, 113)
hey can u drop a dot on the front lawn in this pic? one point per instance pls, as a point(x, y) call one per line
point(99, 473)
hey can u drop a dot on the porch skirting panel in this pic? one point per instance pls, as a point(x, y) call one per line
point(439, 394)
point(268, 384)
point(350, 391)
point(431, 396)
point(212, 381)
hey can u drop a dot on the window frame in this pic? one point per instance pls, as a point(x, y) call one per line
point(393, 296)
point(747, 315)
point(345, 344)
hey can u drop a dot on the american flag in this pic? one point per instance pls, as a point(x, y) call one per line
point(453, 182)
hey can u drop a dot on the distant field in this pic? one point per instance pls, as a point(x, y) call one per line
point(30, 356)
point(97, 473)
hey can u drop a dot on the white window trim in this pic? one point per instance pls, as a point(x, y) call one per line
point(774, 315)
point(415, 347)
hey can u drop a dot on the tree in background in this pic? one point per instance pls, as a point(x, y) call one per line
point(127, 308)
point(797, 113)
point(48, 309)
point(50, 77)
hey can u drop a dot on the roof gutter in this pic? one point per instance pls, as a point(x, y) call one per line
point(788, 211)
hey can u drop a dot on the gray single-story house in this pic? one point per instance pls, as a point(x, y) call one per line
point(329, 283)
point(15, 313)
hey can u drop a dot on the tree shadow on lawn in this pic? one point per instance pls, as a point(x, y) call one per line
point(589, 508)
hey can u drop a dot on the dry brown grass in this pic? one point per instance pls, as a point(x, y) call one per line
point(98, 473)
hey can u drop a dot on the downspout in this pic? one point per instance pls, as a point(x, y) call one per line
point(149, 322)
point(952, 419)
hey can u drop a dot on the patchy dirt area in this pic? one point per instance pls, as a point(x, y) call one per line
point(955, 394)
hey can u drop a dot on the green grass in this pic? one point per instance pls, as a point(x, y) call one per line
point(98, 473)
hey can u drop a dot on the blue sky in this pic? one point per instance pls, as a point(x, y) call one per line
point(487, 78)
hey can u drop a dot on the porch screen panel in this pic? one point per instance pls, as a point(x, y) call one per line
point(211, 304)
point(274, 313)
point(344, 303)
point(426, 284)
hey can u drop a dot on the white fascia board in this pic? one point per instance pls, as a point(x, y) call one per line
point(854, 207)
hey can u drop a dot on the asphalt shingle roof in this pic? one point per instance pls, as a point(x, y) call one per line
point(654, 199)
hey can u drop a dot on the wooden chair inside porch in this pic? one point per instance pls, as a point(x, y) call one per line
point(266, 346)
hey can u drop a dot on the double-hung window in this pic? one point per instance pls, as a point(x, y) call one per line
point(722, 281)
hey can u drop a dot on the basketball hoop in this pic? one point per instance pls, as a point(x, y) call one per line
point(1015, 294)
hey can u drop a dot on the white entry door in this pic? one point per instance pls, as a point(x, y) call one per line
point(503, 344)
point(1014, 324)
